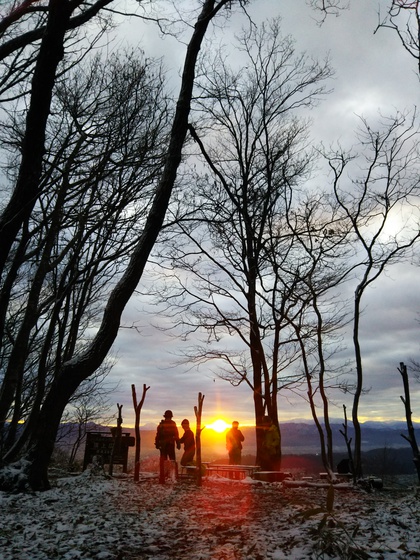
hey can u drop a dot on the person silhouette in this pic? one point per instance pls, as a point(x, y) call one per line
point(167, 437)
point(234, 439)
point(188, 440)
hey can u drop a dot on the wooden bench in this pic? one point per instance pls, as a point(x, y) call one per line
point(190, 471)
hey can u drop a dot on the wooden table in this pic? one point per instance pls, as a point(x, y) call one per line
point(231, 471)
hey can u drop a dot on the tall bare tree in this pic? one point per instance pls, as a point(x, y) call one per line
point(231, 277)
point(380, 204)
point(83, 363)
point(324, 251)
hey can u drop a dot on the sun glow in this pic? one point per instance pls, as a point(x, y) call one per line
point(218, 426)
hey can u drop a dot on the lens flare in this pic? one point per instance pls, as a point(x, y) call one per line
point(218, 426)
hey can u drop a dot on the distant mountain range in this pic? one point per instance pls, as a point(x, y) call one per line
point(297, 437)
point(303, 437)
point(384, 449)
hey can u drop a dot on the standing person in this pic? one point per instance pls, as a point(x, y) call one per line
point(188, 440)
point(166, 437)
point(270, 452)
point(234, 439)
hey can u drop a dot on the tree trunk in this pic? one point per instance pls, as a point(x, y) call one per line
point(137, 410)
point(42, 440)
point(257, 370)
point(358, 473)
point(13, 376)
point(116, 434)
point(198, 413)
point(408, 415)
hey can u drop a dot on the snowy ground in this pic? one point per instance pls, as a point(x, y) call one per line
point(92, 517)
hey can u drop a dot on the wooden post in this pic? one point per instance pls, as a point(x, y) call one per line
point(137, 410)
point(198, 412)
point(408, 413)
point(116, 433)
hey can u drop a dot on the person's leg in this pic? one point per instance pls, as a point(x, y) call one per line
point(162, 460)
point(187, 458)
point(171, 451)
point(236, 456)
point(171, 457)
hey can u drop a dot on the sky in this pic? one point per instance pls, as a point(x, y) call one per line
point(373, 73)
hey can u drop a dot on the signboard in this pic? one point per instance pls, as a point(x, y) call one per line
point(101, 445)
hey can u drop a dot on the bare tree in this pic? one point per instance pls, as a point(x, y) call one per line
point(322, 237)
point(90, 404)
point(105, 142)
point(328, 8)
point(231, 278)
point(380, 205)
point(78, 367)
point(50, 24)
point(403, 17)
point(137, 410)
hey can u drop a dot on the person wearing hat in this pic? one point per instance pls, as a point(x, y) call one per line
point(166, 437)
point(234, 439)
point(188, 440)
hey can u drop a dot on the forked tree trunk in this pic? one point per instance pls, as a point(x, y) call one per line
point(137, 410)
point(198, 413)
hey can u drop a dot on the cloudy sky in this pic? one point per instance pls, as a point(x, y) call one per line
point(372, 73)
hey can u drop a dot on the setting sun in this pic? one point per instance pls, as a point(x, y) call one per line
point(218, 426)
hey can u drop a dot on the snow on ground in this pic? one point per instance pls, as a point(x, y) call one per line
point(93, 517)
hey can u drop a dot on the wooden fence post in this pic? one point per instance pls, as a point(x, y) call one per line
point(116, 433)
point(198, 412)
point(137, 410)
